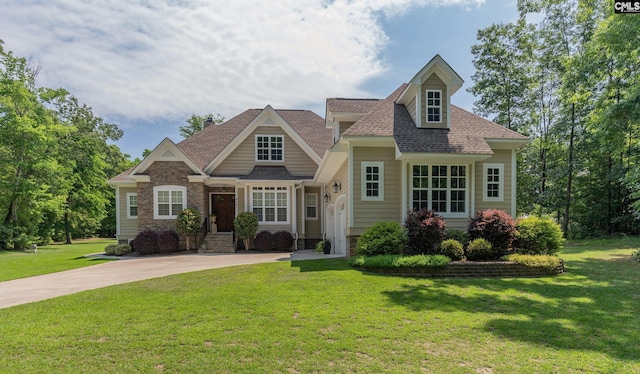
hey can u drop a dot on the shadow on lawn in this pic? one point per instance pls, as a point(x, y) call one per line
point(592, 307)
point(321, 265)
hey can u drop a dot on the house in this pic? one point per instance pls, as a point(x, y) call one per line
point(368, 160)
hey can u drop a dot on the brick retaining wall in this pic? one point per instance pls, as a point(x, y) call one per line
point(470, 269)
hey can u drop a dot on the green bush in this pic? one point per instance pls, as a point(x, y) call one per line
point(399, 261)
point(425, 230)
point(495, 226)
point(636, 255)
point(122, 249)
point(480, 249)
point(538, 236)
point(537, 261)
point(110, 250)
point(382, 238)
point(458, 235)
point(452, 249)
point(245, 226)
point(188, 224)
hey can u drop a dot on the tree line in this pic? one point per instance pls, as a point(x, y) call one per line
point(570, 81)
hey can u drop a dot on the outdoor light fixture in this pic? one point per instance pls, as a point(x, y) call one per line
point(336, 187)
point(326, 197)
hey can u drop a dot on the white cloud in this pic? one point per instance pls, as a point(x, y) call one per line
point(169, 58)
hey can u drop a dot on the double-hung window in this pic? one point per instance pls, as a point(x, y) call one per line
point(434, 105)
point(442, 188)
point(269, 148)
point(132, 205)
point(169, 201)
point(493, 186)
point(311, 203)
point(270, 204)
point(372, 181)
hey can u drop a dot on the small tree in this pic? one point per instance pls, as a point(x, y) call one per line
point(246, 226)
point(188, 223)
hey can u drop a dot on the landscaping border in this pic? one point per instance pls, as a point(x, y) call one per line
point(471, 269)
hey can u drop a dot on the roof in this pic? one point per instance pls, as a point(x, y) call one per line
point(269, 173)
point(347, 105)
point(203, 146)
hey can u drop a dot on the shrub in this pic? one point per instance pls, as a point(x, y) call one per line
point(110, 250)
point(168, 241)
point(458, 235)
point(495, 226)
point(245, 226)
point(636, 255)
point(452, 249)
point(399, 261)
point(538, 236)
point(122, 249)
point(480, 249)
point(188, 223)
point(147, 242)
point(382, 238)
point(283, 240)
point(264, 241)
point(536, 261)
point(425, 230)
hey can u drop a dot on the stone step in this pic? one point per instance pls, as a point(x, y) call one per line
point(217, 243)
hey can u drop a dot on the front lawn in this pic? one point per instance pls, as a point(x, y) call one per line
point(322, 316)
point(50, 258)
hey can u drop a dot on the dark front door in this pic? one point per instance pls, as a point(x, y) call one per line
point(224, 207)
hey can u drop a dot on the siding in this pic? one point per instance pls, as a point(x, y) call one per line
point(434, 83)
point(499, 157)
point(128, 227)
point(242, 160)
point(411, 107)
point(343, 126)
point(368, 212)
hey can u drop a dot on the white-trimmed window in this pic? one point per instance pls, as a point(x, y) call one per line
point(442, 188)
point(270, 204)
point(493, 186)
point(169, 201)
point(372, 181)
point(434, 105)
point(269, 148)
point(132, 205)
point(311, 206)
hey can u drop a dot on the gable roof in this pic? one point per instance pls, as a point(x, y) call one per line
point(349, 105)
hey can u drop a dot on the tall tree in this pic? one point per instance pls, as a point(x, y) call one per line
point(196, 123)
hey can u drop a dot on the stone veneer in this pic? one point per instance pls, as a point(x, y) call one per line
point(164, 173)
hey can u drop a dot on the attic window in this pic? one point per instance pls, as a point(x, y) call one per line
point(434, 105)
point(269, 148)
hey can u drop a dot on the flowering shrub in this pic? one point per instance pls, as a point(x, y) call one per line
point(425, 230)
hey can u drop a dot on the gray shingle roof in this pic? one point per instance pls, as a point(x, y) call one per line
point(269, 173)
point(347, 105)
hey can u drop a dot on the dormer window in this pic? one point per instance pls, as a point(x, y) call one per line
point(269, 148)
point(434, 106)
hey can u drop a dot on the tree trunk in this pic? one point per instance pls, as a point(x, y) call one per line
point(67, 227)
point(567, 206)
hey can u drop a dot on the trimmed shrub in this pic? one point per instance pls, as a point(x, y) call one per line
point(495, 226)
point(188, 224)
point(283, 240)
point(264, 241)
point(110, 250)
point(458, 235)
point(245, 226)
point(452, 249)
point(479, 250)
point(168, 241)
point(399, 261)
point(122, 249)
point(147, 242)
point(425, 230)
point(538, 236)
point(382, 238)
point(536, 261)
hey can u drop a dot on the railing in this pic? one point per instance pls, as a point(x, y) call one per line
point(204, 229)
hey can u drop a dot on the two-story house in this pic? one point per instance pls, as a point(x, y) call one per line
point(368, 160)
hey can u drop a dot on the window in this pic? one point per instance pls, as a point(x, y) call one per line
point(442, 188)
point(434, 105)
point(493, 186)
point(311, 204)
point(372, 181)
point(169, 201)
point(270, 204)
point(269, 148)
point(132, 205)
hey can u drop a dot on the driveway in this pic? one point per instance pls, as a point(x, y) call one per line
point(131, 269)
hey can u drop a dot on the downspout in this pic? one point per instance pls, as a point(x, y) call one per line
point(295, 210)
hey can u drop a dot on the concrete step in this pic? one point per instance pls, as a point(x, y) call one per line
point(217, 243)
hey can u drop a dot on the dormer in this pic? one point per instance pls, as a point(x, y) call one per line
point(428, 93)
point(341, 113)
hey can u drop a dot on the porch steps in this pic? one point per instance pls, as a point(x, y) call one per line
point(217, 242)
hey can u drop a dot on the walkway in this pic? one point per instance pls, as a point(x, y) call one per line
point(131, 269)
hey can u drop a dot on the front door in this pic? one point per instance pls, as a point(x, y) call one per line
point(224, 207)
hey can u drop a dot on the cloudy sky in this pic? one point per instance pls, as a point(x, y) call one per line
point(148, 65)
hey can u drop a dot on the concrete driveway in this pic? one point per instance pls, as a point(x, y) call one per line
point(131, 269)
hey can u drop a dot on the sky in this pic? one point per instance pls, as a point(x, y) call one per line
point(148, 65)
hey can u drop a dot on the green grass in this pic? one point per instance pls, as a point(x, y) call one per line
point(50, 259)
point(322, 316)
